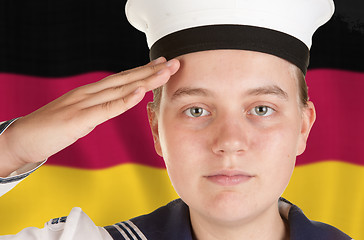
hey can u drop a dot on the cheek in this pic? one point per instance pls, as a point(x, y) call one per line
point(279, 140)
point(180, 143)
point(277, 152)
point(180, 156)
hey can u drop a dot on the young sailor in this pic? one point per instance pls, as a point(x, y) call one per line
point(230, 115)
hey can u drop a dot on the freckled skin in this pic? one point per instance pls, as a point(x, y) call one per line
point(229, 136)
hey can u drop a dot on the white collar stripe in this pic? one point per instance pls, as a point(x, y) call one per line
point(128, 231)
point(136, 229)
point(122, 232)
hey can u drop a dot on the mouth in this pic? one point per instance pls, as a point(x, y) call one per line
point(229, 178)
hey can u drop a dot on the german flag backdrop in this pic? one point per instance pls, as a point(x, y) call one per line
point(50, 47)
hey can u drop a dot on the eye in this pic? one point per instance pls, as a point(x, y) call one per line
point(196, 112)
point(261, 111)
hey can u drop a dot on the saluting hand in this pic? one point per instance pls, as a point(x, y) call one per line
point(60, 123)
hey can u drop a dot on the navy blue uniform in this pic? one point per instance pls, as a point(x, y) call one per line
point(173, 222)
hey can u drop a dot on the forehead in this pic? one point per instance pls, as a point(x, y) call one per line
point(232, 71)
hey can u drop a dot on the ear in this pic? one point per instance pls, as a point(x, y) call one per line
point(308, 118)
point(153, 123)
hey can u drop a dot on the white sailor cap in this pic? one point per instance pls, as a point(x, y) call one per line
point(283, 28)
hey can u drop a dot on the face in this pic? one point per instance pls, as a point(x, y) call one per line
point(229, 128)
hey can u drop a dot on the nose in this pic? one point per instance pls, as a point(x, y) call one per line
point(231, 137)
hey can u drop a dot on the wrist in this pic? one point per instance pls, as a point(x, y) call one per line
point(8, 163)
point(8, 160)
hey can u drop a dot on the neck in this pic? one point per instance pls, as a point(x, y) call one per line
point(268, 225)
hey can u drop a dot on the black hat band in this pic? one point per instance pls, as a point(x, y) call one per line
point(241, 37)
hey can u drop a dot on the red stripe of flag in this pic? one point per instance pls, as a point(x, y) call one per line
point(125, 139)
point(337, 133)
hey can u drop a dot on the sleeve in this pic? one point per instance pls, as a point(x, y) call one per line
point(7, 183)
point(77, 225)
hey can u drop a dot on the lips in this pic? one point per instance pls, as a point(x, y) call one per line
point(229, 178)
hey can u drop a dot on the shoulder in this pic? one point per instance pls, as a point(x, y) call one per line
point(303, 228)
point(168, 222)
point(77, 225)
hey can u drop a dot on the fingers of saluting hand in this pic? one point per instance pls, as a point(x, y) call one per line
point(120, 92)
point(136, 74)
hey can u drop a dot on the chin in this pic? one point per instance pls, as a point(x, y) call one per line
point(230, 207)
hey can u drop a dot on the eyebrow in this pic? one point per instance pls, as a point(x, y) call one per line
point(185, 91)
point(266, 90)
point(269, 90)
